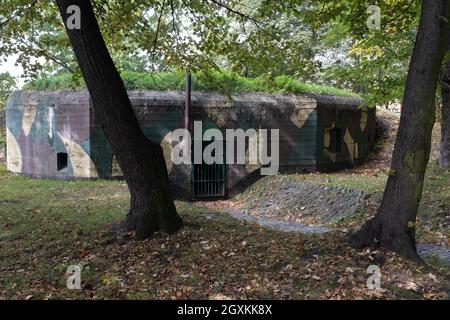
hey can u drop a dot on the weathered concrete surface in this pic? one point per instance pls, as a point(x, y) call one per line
point(296, 200)
point(430, 251)
point(43, 125)
point(278, 225)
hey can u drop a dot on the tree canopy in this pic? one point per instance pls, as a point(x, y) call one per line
point(324, 42)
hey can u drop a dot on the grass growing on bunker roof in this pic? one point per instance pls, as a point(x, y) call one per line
point(223, 81)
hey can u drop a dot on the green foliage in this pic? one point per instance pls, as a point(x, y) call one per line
point(226, 82)
point(326, 42)
point(7, 84)
point(288, 84)
point(372, 62)
point(58, 82)
point(153, 81)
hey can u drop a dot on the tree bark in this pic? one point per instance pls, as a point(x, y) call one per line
point(394, 225)
point(141, 160)
point(445, 118)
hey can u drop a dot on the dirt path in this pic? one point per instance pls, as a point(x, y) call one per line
point(426, 251)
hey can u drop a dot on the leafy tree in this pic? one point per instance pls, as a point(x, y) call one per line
point(7, 84)
point(141, 160)
point(378, 53)
point(372, 62)
point(246, 37)
point(394, 225)
point(255, 38)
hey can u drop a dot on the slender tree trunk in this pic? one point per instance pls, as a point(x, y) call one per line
point(393, 227)
point(445, 120)
point(141, 161)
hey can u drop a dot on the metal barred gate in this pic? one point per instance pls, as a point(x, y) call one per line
point(208, 180)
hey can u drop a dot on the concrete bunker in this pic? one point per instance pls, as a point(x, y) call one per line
point(58, 135)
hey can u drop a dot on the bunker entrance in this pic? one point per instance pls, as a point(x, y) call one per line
point(208, 180)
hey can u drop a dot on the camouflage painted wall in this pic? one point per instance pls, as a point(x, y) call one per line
point(294, 115)
point(41, 125)
point(357, 127)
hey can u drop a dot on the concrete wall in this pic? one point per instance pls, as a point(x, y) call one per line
point(42, 124)
point(357, 124)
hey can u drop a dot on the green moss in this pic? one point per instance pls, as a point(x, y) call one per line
point(418, 192)
point(392, 172)
point(415, 161)
point(221, 81)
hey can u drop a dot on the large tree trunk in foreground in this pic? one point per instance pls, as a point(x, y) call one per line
point(141, 161)
point(393, 227)
point(445, 121)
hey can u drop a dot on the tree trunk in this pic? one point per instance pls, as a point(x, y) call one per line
point(141, 161)
point(445, 121)
point(393, 227)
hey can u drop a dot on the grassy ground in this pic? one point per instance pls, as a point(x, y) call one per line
point(48, 225)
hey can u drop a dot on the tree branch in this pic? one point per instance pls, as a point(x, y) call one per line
point(47, 54)
point(238, 13)
point(388, 22)
point(155, 41)
point(29, 7)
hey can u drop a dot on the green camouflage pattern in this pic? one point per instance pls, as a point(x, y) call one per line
point(41, 125)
